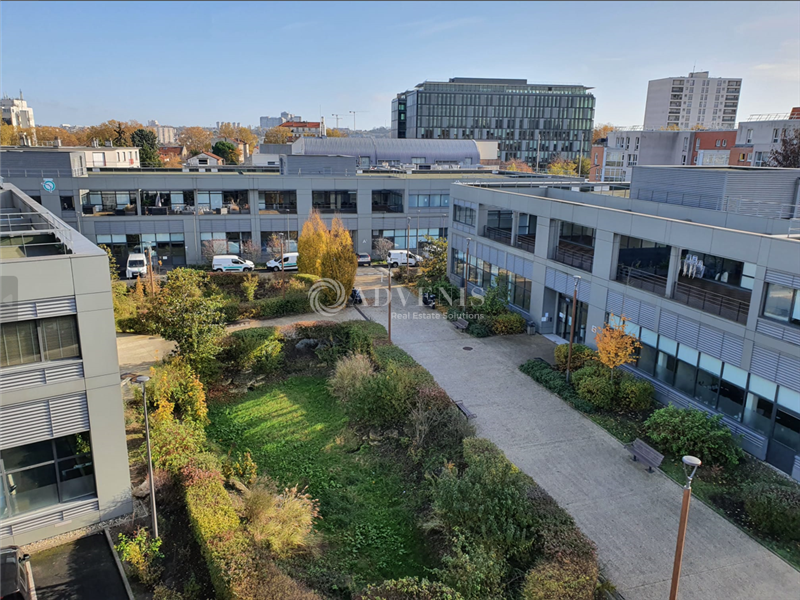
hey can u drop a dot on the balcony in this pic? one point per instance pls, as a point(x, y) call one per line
point(733, 304)
point(99, 210)
point(526, 242)
point(387, 208)
point(649, 282)
point(498, 235)
point(575, 255)
point(277, 209)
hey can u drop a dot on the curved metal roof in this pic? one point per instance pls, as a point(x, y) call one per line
point(386, 149)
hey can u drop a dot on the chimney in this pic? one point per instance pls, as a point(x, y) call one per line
point(322, 131)
point(109, 144)
point(57, 143)
point(95, 143)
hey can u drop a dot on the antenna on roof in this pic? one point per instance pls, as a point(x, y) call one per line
point(694, 66)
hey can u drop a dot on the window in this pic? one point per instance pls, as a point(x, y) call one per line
point(724, 143)
point(277, 202)
point(718, 142)
point(44, 474)
point(28, 342)
point(67, 202)
point(334, 201)
point(749, 138)
point(732, 391)
point(759, 407)
point(782, 304)
point(463, 214)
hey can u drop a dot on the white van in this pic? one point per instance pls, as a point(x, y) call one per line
point(289, 263)
point(136, 266)
point(401, 257)
point(232, 263)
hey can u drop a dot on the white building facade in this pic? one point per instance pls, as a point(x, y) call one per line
point(16, 112)
point(762, 134)
point(694, 101)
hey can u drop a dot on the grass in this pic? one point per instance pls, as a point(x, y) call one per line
point(298, 434)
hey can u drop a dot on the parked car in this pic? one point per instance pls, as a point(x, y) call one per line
point(289, 263)
point(231, 263)
point(136, 266)
point(13, 574)
point(364, 259)
point(402, 257)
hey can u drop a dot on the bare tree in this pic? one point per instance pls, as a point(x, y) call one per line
point(788, 154)
point(250, 251)
point(382, 247)
point(211, 248)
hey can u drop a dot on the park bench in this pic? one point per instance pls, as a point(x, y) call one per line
point(644, 454)
point(466, 412)
point(461, 324)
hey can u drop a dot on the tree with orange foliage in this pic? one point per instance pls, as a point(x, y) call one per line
point(615, 347)
point(311, 245)
point(518, 166)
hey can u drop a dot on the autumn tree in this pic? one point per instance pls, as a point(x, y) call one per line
point(277, 135)
point(615, 347)
point(434, 265)
point(601, 130)
point(562, 166)
point(8, 135)
point(113, 269)
point(195, 139)
point(173, 161)
point(227, 151)
point(50, 134)
point(227, 131)
point(109, 132)
point(517, 166)
point(788, 154)
point(334, 133)
point(338, 262)
point(147, 142)
point(311, 245)
point(246, 135)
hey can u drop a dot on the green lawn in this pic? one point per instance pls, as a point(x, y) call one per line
point(298, 434)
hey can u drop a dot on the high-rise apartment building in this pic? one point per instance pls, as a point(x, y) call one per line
point(16, 112)
point(696, 101)
point(166, 135)
point(534, 123)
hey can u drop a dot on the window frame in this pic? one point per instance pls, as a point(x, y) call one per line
point(42, 350)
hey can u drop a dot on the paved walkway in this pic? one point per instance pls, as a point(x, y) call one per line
point(631, 515)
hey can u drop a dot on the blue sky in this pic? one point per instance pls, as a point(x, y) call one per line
point(196, 63)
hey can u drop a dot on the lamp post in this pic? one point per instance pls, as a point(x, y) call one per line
point(389, 321)
point(689, 462)
point(466, 272)
point(143, 379)
point(283, 271)
point(572, 327)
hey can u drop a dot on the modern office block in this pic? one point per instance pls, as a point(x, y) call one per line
point(712, 291)
point(534, 123)
point(63, 452)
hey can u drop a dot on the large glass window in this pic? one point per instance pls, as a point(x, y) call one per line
point(277, 202)
point(760, 404)
point(708, 380)
point(686, 369)
point(28, 342)
point(334, 201)
point(577, 234)
point(387, 201)
point(782, 303)
point(732, 391)
point(666, 361)
point(463, 214)
point(46, 473)
point(209, 202)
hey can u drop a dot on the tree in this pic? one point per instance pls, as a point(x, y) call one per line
point(246, 135)
point(147, 142)
point(562, 166)
point(120, 136)
point(109, 132)
point(49, 134)
point(173, 161)
point(615, 347)
point(8, 135)
point(585, 166)
point(211, 248)
point(249, 250)
point(227, 151)
point(277, 135)
point(311, 245)
point(601, 130)
point(518, 166)
point(227, 131)
point(339, 262)
point(335, 133)
point(697, 127)
point(382, 247)
point(196, 140)
point(434, 265)
point(113, 269)
point(788, 154)
point(182, 313)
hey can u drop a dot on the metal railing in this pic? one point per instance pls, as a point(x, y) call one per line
point(43, 173)
point(760, 208)
point(573, 258)
point(711, 302)
point(649, 282)
point(741, 206)
point(387, 208)
point(526, 242)
point(498, 235)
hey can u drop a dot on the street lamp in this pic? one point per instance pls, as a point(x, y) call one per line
point(689, 462)
point(143, 379)
point(389, 320)
point(466, 272)
point(283, 271)
point(572, 328)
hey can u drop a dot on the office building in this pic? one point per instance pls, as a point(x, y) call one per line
point(694, 101)
point(759, 135)
point(712, 293)
point(166, 135)
point(62, 430)
point(16, 112)
point(534, 123)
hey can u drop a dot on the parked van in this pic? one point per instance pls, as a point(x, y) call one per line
point(137, 266)
point(231, 263)
point(401, 257)
point(289, 263)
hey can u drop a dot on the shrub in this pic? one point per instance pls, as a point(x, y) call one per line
point(693, 432)
point(231, 311)
point(343, 338)
point(284, 521)
point(554, 381)
point(481, 328)
point(143, 554)
point(174, 384)
point(580, 354)
point(293, 304)
point(385, 398)
point(774, 509)
point(175, 444)
point(305, 278)
point(475, 570)
point(349, 376)
point(259, 349)
point(409, 588)
point(508, 324)
point(428, 410)
point(597, 389)
point(561, 580)
point(242, 466)
point(162, 592)
point(249, 286)
point(386, 354)
point(635, 393)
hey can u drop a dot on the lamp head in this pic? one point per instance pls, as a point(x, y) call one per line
point(690, 465)
point(142, 379)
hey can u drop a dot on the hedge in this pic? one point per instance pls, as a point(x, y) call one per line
point(292, 304)
point(556, 382)
point(259, 349)
point(774, 509)
point(409, 588)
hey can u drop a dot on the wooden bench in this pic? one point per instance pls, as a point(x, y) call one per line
point(644, 454)
point(465, 411)
point(460, 324)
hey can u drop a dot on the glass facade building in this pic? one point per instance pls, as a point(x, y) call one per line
point(529, 121)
